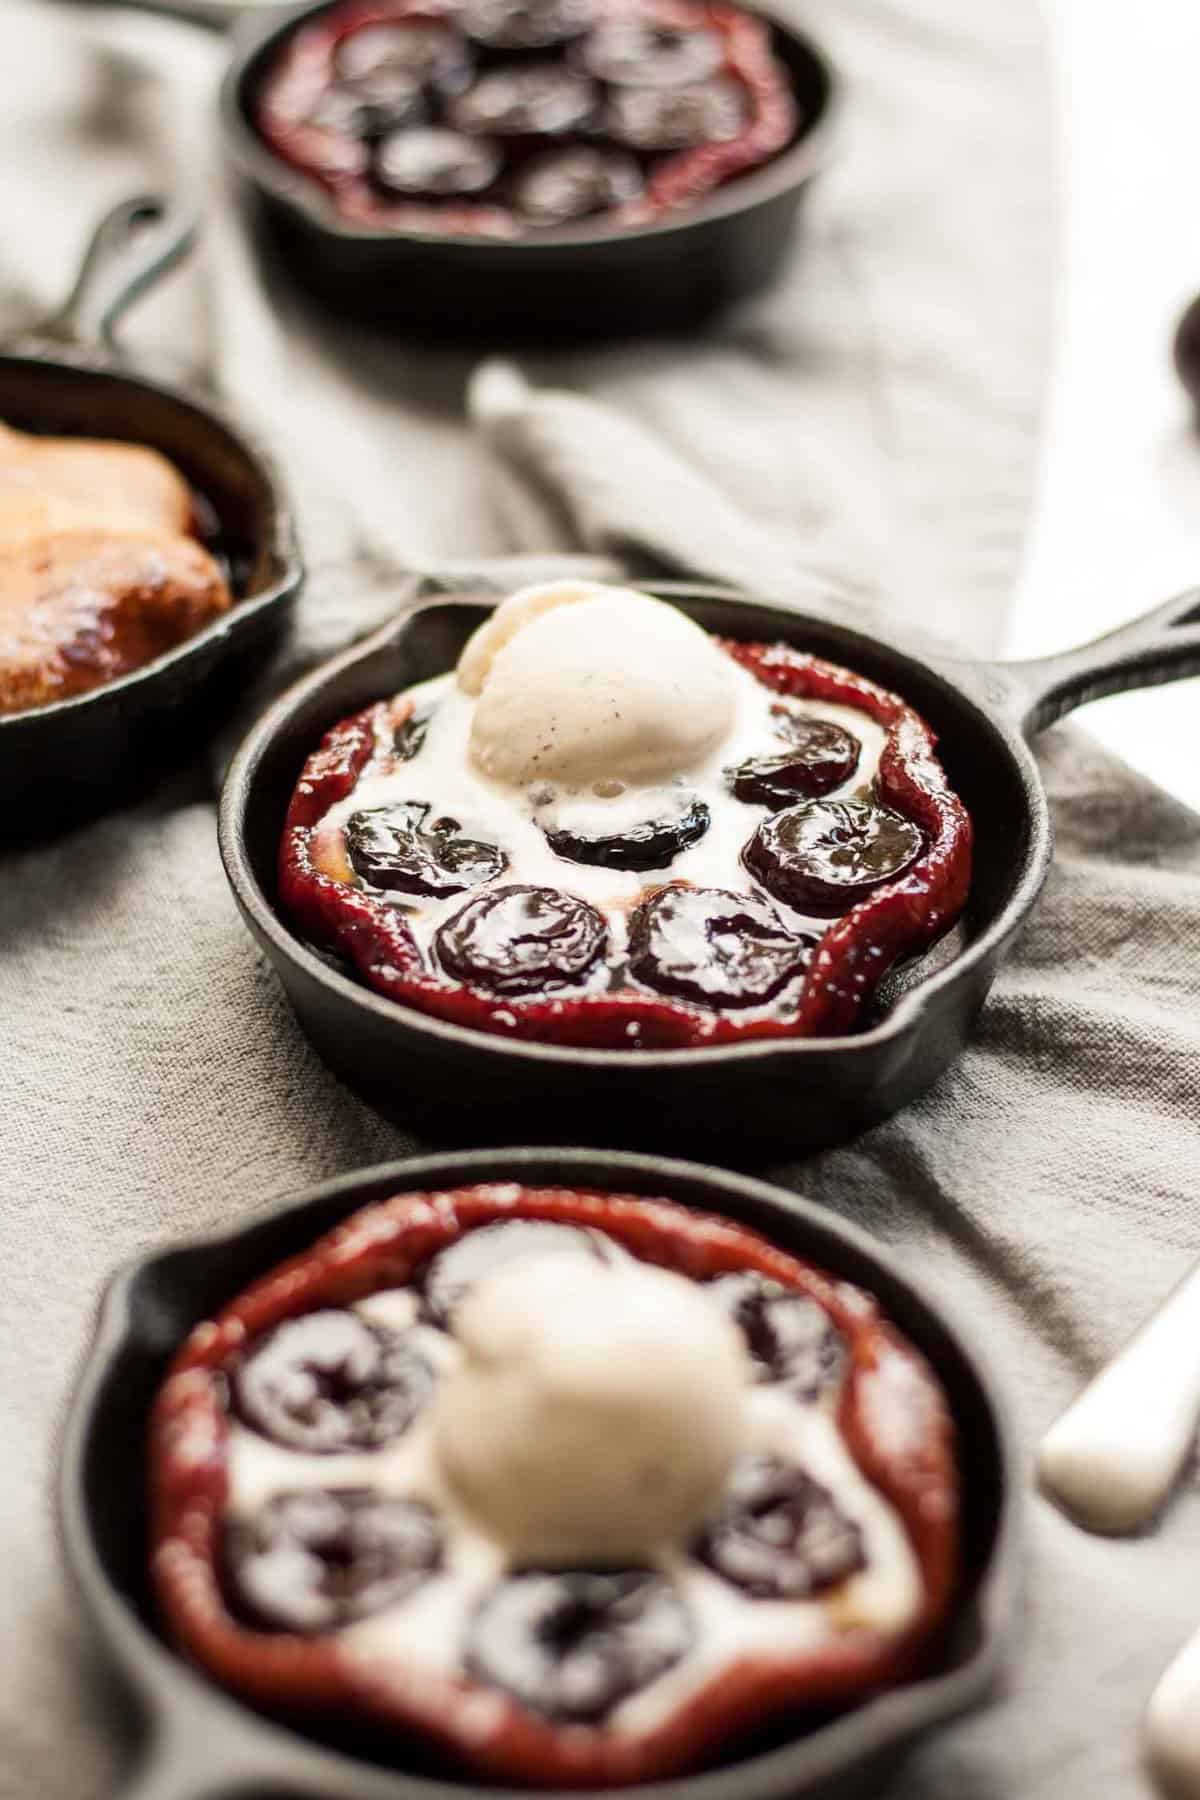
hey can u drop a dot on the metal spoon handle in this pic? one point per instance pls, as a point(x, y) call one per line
point(1111, 1459)
point(1171, 1731)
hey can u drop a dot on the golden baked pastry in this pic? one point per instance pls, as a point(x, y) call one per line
point(99, 570)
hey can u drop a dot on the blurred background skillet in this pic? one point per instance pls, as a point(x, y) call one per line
point(66, 376)
point(572, 283)
point(796, 1094)
point(201, 1744)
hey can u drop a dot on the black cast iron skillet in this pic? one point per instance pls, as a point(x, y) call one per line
point(577, 282)
point(795, 1094)
point(68, 377)
point(203, 1745)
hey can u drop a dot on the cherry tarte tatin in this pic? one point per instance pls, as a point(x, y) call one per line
point(735, 841)
point(505, 117)
point(368, 1503)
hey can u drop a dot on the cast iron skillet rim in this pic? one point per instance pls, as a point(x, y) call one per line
point(281, 547)
point(791, 168)
point(154, 1670)
point(907, 1010)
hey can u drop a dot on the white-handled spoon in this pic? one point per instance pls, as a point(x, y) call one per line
point(1172, 1726)
point(1112, 1457)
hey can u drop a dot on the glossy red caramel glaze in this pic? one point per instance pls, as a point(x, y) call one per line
point(899, 919)
point(305, 69)
point(892, 1415)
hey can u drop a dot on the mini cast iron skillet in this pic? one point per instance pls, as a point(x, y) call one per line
point(67, 377)
point(203, 1745)
point(576, 282)
point(796, 1093)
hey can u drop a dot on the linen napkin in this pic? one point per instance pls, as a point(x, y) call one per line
point(864, 439)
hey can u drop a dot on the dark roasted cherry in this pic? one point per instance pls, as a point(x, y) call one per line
point(714, 947)
point(522, 940)
point(790, 1337)
point(825, 856)
point(572, 184)
point(780, 1535)
point(676, 118)
point(821, 757)
point(410, 736)
point(525, 24)
point(392, 847)
point(653, 843)
point(572, 1644)
point(328, 1381)
point(435, 163)
point(542, 99)
point(417, 50)
point(636, 53)
point(453, 1272)
point(364, 115)
point(311, 1559)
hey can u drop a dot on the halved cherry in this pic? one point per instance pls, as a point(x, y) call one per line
point(313, 1559)
point(821, 757)
point(391, 847)
point(790, 1338)
point(714, 947)
point(826, 856)
point(522, 940)
point(780, 1535)
point(572, 1643)
point(362, 114)
point(433, 162)
point(328, 1381)
point(572, 184)
point(418, 50)
point(680, 821)
point(525, 24)
point(453, 1272)
point(539, 99)
point(676, 118)
point(410, 735)
point(637, 53)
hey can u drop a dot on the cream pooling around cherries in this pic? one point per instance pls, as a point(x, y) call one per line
point(579, 684)
point(596, 1412)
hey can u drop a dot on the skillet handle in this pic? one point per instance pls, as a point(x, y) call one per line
point(1161, 646)
point(133, 245)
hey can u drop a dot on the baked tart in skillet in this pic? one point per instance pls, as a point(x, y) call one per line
point(578, 1489)
point(505, 118)
point(609, 829)
point(101, 567)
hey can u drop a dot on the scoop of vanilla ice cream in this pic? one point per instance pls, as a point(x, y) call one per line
point(595, 684)
point(512, 615)
point(596, 1412)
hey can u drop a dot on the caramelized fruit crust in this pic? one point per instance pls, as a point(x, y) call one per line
point(891, 1414)
point(897, 919)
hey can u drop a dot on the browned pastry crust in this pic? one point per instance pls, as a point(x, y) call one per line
point(79, 608)
point(99, 572)
point(51, 483)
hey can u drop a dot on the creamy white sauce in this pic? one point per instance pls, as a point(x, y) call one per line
point(427, 1633)
point(443, 775)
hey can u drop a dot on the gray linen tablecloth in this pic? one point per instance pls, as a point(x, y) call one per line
point(865, 436)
